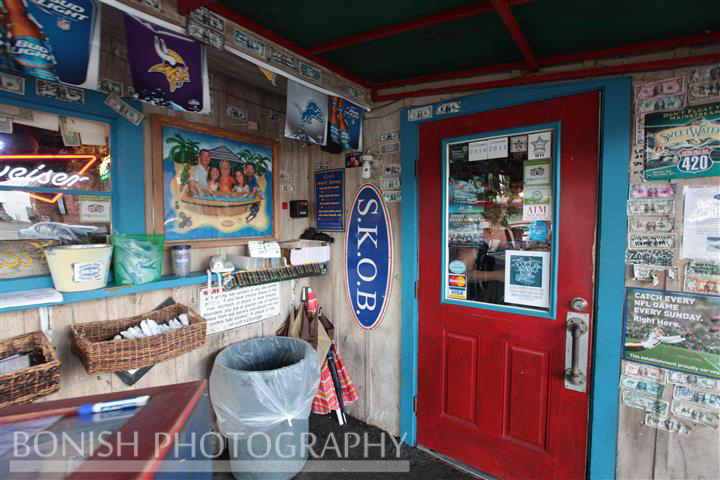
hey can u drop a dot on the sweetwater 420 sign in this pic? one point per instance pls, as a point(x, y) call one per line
point(368, 256)
point(683, 143)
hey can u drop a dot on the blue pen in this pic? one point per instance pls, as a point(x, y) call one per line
point(114, 405)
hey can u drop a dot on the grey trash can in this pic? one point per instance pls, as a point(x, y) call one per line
point(262, 391)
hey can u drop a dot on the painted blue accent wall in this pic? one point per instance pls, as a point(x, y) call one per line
point(612, 221)
point(126, 149)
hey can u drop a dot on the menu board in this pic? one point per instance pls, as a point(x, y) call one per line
point(329, 200)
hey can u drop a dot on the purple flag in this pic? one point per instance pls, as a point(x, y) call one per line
point(168, 68)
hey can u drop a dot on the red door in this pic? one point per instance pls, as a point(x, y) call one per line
point(508, 210)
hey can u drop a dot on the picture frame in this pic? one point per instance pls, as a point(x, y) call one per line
point(231, 200)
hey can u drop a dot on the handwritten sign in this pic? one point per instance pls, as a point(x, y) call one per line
point(239, 307)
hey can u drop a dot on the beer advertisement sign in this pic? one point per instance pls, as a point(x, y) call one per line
point(54, 40)
point(683, 144)
point(679, 331)
point(168, 69)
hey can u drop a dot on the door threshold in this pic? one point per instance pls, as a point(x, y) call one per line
point(460, 466)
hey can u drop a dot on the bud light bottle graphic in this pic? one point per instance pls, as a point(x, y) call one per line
point(342, 125)
point(334, 133)
point(29, 49)
point(4, 62)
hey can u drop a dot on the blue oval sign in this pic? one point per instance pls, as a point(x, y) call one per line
point(368, 256)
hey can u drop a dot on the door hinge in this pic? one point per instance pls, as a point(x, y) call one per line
point(417, 160)
point(415, 404)
point(416, 289)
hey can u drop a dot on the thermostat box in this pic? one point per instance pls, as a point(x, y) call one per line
point(299, 252)
point(298, 208)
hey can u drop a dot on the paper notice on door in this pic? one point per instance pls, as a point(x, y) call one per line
point(527, 278)
point(478, 151)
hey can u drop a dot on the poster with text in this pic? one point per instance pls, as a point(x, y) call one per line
point(679, 331)
point(527, 278)
point(701, 227)
point(306, 116)
point(236, 308)
point(57, 41)
point(168, 69)
point(683, 143)
point(330, 200)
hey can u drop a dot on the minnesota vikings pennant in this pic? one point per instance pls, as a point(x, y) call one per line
point(168, 69)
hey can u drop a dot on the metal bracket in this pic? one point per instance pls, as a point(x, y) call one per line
point(45, 322)
point(576, 351)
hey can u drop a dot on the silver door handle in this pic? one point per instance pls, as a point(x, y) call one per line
point(577, 328)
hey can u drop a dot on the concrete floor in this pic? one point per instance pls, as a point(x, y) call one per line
point(422, 465)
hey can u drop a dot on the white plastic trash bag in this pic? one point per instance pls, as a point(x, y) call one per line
point(260, 383)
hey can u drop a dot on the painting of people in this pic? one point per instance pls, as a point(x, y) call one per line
point(216, 184)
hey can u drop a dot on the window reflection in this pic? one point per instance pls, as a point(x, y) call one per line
point(499, 197)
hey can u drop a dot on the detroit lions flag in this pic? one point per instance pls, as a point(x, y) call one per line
point(306, 116)
point(168, 68)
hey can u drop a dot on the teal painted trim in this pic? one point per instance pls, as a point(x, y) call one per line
point(612, 238)
point(409, 234)
point(167, 281)
point(94, 193)
point(127, 171)
point(555, 127)
point(612, 224)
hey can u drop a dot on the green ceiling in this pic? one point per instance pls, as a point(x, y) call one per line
point(552, 27)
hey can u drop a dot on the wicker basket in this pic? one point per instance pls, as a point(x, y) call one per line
point(28, 384)
point(93, 342)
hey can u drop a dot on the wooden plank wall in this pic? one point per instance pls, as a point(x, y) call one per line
point(645, 452)
point(236, 83)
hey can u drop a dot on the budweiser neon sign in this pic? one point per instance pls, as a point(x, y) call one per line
point(41, 175)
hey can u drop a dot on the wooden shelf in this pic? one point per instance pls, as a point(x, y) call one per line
point(167, 281)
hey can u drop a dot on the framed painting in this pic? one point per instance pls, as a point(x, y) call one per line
point(218, 186)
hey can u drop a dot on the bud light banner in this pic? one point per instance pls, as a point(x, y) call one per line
point(55, 40)
point(368, 256)
point(306, 117)
point(168, 69)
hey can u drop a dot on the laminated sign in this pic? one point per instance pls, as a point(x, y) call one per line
point(679, 331)
point(368, 256)
point(683, 144)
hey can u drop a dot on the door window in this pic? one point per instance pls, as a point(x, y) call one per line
point(499, 220)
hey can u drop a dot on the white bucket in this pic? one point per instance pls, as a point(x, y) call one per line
point(77, 268)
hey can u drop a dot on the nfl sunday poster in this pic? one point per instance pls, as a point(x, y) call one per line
point(168, 69)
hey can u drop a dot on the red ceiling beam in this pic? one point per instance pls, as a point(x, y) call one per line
point(185, 7)
point(550, 77)
point(503, 9)
point(632, 49)
point(231, 15)
point(434, 77)
point(415, 24)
